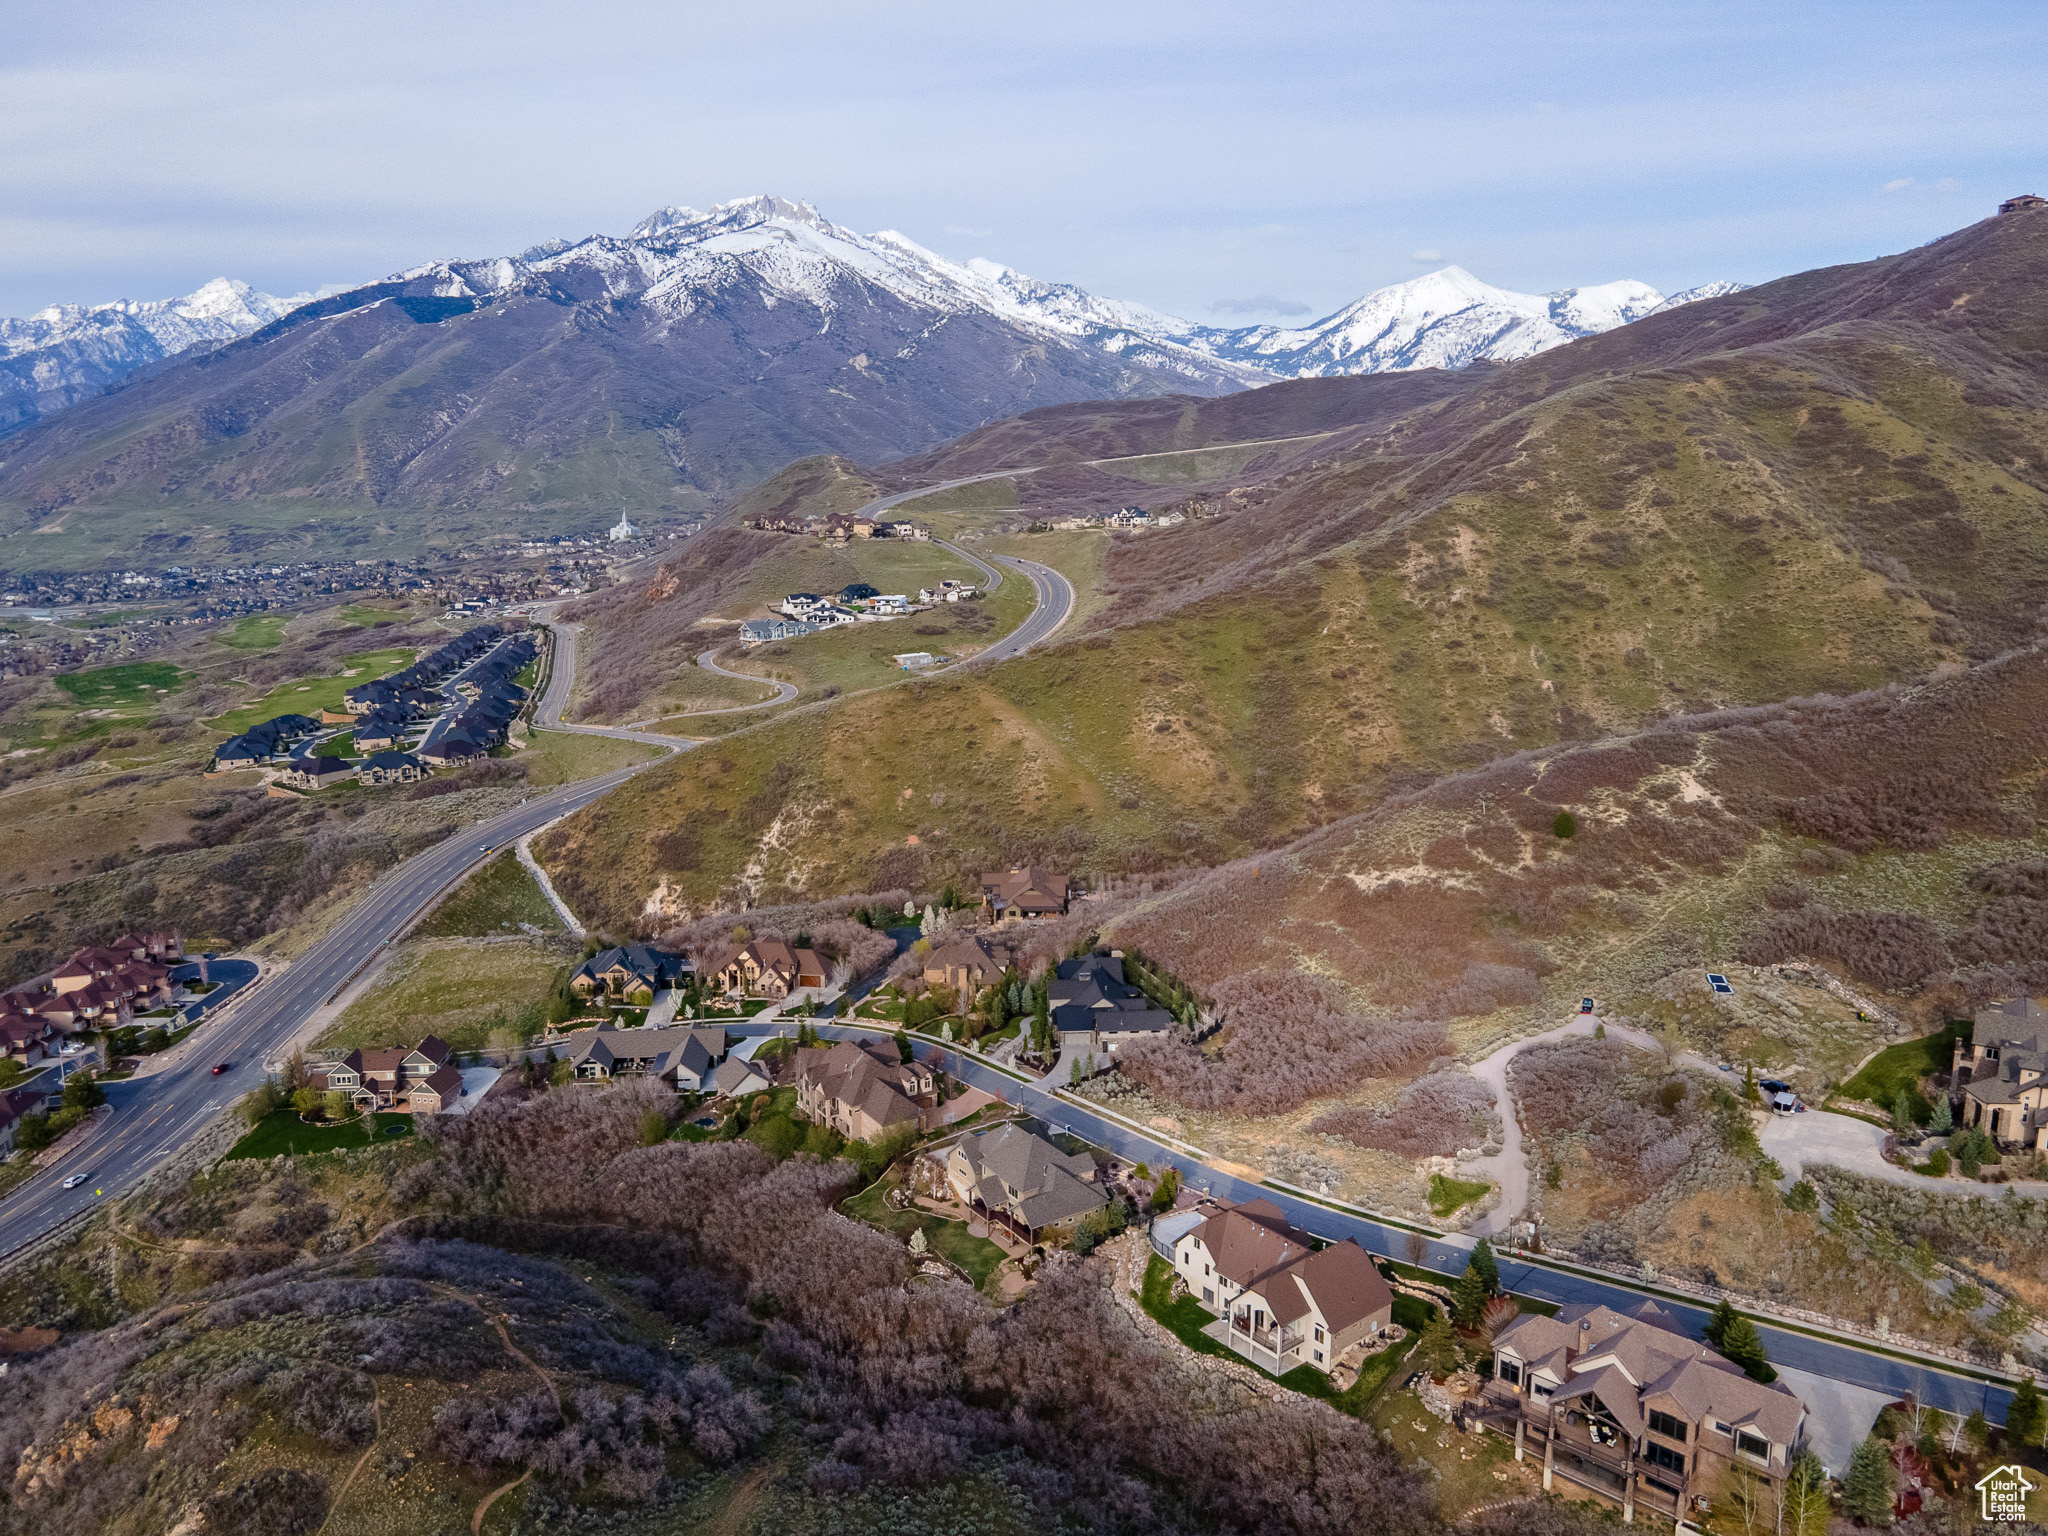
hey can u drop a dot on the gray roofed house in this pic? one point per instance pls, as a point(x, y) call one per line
point(1631, 1407)
point(1089, 997)
point(737, 1076)
point(679, 1055)
point(1023, 1181)
point(391, 768)
point(628, 971)
point(2001, 1074)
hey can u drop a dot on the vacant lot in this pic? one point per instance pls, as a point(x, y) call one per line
point(462, 990)
point(560, 757)
point(498, 898)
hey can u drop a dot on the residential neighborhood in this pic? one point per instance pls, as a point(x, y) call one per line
point(98, 985)
point(446, 710)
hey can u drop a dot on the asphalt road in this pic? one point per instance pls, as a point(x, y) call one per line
point(1447, 1256)
point(1055, 595)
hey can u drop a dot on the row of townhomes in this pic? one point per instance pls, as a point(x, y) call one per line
point(1284, 1298)
point(263, 743)
point(100, 985)
point(1628, 1405)
point(1998, 1074)
point(839, 527)
point(421, 1081)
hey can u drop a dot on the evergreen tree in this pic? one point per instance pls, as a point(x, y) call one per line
point(2027, 1416)
point(1978, 1428)
point(1944, 1119)
point(1489, 1271)
point(1468, 1297)
point(903, 1047)
point(1742, 1344)
point(1902, 1110)
point(1717, 1325)
point(1870, 1487)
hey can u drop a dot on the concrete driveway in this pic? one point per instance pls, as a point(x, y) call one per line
point(1842, 1141)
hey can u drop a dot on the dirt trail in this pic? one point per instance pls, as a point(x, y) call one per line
point(476, 1521)
point(377, 1419)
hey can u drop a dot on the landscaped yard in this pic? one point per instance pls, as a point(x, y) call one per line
point(950, 1240)
point(496, 899)
point(130, 683)
point(1447, 1194)
point(284, 1134)
point(1902, 1066)
point(1186, 1318)
point(463, 990)
point(1471, 1470)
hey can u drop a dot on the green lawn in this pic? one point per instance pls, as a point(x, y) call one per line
point(950, 1240)
point(311, 695)
point(1902, 1066)
point(496, 899)
point(132, 682)
point(362, 615)
point(284, 1134)
point(1186, 1318)
point(1447, 1194)
point(258, 632)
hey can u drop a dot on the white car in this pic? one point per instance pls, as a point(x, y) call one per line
point(76, 1179)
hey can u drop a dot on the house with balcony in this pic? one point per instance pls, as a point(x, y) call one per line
point(2000, 1075)
point(1285, 1298)
point(1629, 1406)
point(1023, 1182)
point(861, 1088)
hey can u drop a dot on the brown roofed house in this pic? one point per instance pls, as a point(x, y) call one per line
point(1023, 895)
point(772, 968)
point(1023, 1181)
point(1632, 1408)
point(966, 964)
point(1288, 1302)
point(2001, 1075)
point(395, 1078)
point(861, 1088)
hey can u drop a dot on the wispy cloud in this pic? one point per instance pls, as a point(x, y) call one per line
point(1899, 184)
point(1427, 253)
point(962, 229)
point(1260, 304)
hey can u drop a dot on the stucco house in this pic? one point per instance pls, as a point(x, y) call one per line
point(1025, 894)
point(861, 1088)
point(737, 1077)
point(1023, 1181)
point(771, 968)
point(1631, 1407)
point(1288, 1300)
point(1999, 1075)
point(421, 1081)
point(680, 1056)
point(966, 964)
point(391, 768)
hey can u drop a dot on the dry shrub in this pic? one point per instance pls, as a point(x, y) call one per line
point(1433, 1116)
point(1893, 950)
point(1290, 1038)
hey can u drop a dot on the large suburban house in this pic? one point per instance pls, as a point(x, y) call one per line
point(1286, 1299)
point(634, 972)
point(1095, 1009)
point(861, 1088)
point(772, 968)
point(678, 1055)
point(420, 1081)
point(1999, 1072)
point(760, 631)
point(306, 771)
point(1628, 1405)
point(966, 964)
point(1023, 895)
point(1024, 1182)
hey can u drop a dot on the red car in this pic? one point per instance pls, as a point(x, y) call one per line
point(223, 1067)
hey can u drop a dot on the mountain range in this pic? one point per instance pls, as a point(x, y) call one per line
point(664, 369)
point(70, 352)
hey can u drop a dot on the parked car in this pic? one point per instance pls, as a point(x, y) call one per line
point(1585, 1005)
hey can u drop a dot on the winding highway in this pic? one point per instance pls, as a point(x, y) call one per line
point(178, 1094)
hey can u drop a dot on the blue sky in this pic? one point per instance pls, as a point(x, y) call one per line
point(1224, 161)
